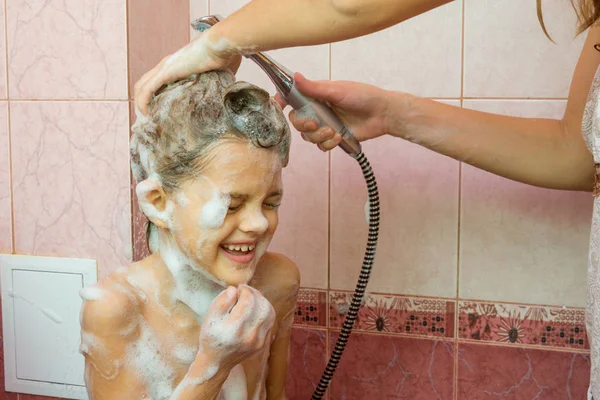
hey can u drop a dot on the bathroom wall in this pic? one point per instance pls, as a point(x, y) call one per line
point(479, 283)
point(478, 289)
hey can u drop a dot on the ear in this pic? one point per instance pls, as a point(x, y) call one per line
point(154, 202)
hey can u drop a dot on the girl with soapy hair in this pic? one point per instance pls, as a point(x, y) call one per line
point(559, 154)
point(208, 314)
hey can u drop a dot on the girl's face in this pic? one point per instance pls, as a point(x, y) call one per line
point(225, 219)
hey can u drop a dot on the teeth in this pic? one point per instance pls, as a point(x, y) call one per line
point(239, 248)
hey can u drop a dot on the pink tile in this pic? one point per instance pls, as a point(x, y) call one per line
point(417, 249)
point(302, 234)
point(71, 181)
point(396, 314)
point(420, 56)
point(497, 33)
point(520, 324)
point(67, 51)
point(517, 239)
point(303, 218)
point(386, 367)
point(3, 93)
point(156, 29)
point(5, 205)
point(308, 354)
point(494, 372)
point(311, 308)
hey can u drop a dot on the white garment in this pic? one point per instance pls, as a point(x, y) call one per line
point(591, 134)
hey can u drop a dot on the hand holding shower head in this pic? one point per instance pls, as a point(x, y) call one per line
point(283, 80)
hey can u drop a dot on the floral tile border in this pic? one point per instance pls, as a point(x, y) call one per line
point(396, 314)
point(311, 308)
point(522, 324)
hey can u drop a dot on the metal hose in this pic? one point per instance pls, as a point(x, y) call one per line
point(363, 280)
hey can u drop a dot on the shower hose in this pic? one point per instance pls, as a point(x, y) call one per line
point(363, 280)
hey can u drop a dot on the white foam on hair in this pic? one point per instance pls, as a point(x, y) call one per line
point(214, 210)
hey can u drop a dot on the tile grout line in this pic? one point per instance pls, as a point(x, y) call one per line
point(13, 246)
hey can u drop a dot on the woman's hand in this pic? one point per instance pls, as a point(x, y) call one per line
point(200, 55)
point(364, 108)
point(232, 332)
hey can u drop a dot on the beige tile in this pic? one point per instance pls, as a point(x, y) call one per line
point(198, 8)
point(302, 234)
point(417, 250)
point(156, 29)
point(71, 180)
point(420, 56)
point(507, 54)
point(520, 243)
point(3, 93)
point(67, 51)
point(5, 203)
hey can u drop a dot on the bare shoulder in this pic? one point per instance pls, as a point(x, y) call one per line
point(278, 278)
point(109, 306)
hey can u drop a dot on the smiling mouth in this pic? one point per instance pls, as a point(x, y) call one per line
point(238, 249)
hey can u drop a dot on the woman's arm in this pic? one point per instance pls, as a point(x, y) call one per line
point(541, 152)
point(270, 24)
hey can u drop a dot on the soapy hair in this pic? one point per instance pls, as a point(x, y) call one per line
point(188, 118)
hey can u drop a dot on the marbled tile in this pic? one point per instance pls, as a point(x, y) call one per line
point(421, 56)
point(533, 325)
point(67, 50)
point(5, 203)
point(308, 357)
point(156, 29)
point(386, 367)
point(71, 181)
point(506, 53)
point(3, 92)
point(498, 372)
point(418, 235)
point(520, 243)
point(311, 308)
point(396, 314)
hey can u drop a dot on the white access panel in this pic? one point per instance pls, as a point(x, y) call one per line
point(40, 318)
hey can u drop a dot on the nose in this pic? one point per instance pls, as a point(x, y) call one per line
point(254, 221)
